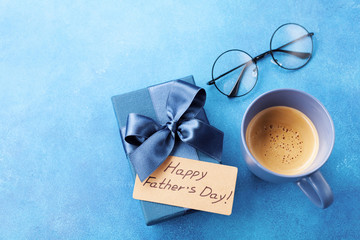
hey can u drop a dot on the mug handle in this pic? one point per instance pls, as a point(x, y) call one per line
point(316, 189)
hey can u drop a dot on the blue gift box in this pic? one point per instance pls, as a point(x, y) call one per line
point(143, 102)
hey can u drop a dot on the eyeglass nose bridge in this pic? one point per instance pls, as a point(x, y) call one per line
point(261, 56)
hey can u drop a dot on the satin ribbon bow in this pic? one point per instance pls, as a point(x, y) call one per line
point(155, 141)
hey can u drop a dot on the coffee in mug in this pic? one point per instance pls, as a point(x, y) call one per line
point(283, 140)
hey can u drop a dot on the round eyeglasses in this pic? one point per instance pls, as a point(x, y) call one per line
point(235, 72)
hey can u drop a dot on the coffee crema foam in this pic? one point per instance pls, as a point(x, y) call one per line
point(283, 140)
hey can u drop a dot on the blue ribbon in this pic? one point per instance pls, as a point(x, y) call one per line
point(155, 142)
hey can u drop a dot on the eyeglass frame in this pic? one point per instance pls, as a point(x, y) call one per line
point(261, 56)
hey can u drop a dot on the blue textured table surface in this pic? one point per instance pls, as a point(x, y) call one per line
point(63, 172)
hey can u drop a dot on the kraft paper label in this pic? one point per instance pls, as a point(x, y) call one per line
point(191, 184)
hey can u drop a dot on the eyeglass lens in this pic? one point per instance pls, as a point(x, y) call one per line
point(296, 54)
point(239, 81)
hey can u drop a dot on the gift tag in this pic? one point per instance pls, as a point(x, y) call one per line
point(191, 184)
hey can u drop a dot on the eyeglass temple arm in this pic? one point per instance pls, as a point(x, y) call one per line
point(306, 35)
point(235, 89)
point(301, 55)
point(226, 73)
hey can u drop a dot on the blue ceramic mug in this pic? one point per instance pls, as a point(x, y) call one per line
point(310, 181)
